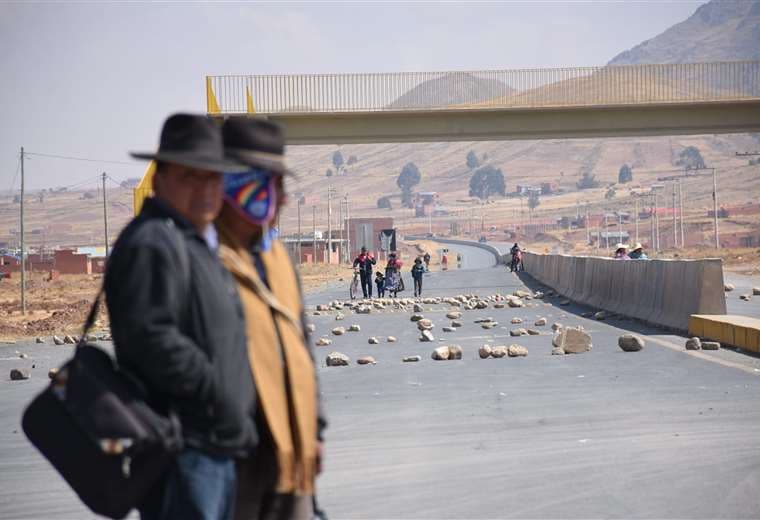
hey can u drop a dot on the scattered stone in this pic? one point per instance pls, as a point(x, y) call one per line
point(600, 316)
point(69, 340)
point(481, 305)
point(39, 340)
point(416, 317)
point(540, 322)
point(339, 331)
point(449, 329)
point(23, 356)
point(558, 351)
point(745, 297)
point(454, 315)
point(489, 324)
point(19, 374)
point(521, 293)
point(483, 320)
point(515, 303)
point(366, 360)
point(373, 341)
point(533, 332)
point(363, 309)
point(391, 339)
point(336, 359)
point(412, 359)
point(498, 305)
point(517, 351)
point(354, 328)
point(556, 326)
point(340, 316)
point(52, 373)
point(426, 336)
point(311, 327)
point(484, 352)
point(573, 340)
point(58, 341)
point(756, 291)
point(518, 332)
point(418, 307)
point(440, 354)
point(321, 307)
point(564, 303)
point(90, 338)
point(729, 287)
point(516, 320)
point(710, 345)
point(498, 352)
point(693, 344)
point(323, 342)
point(456, 324)
point(316, 313)
point(587, 314)
point(425, 324)
point(455, 352)
point(630, 343)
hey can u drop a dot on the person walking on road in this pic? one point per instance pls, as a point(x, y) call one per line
point(426, 259)
point(177, 322)
point(418, 270)
point(277, 480)
point(380, 283)
point(365, 261)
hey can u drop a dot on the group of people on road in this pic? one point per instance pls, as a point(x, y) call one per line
point(623, 253)
point(391, 281)
point(206, 312)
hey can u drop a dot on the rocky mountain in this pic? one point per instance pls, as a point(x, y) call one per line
point(720, 30)
point(455, 88)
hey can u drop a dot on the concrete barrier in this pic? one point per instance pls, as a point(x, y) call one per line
point(661, 292)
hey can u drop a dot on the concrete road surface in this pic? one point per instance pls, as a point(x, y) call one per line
point(660, 433)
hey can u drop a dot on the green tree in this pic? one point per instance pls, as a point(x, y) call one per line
point(691, 159)
point(587, 182)
point(384, 203)
point(625, 174)
point(472, 160)
point(487, 181)
point(337, 160)
point(409, 177)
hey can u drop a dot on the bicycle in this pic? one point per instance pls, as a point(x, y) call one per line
point(353, 288)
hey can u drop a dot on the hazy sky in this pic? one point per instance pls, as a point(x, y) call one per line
point(97, 79)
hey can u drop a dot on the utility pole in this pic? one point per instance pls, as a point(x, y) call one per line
point(680, 211)
point(298, 209)
point(21, 226)
point(715, 206)
point(675, 218)
point(329, 224)
point(341, 256)
point(620, 227)
point(348, 230)
point(430, 223)
point(636, 217)
point(105, 212)
point(314, 234)
point(588, 228)
point(657, 221)
point(606, 233)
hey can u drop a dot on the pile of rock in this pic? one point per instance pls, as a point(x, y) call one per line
point(487, 351)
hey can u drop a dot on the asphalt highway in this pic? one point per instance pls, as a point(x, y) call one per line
point(661, 433)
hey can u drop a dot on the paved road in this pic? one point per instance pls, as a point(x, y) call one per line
point(658, 433)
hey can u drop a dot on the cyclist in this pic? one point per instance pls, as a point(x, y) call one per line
point(516, 263)
point(364, 262)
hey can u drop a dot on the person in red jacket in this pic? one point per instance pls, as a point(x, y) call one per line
point(364, 262)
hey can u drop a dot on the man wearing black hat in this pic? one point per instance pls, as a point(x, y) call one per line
point(177, 322)
point(277, 481)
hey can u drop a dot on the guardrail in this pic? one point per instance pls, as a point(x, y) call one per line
point(485, 89)
point(660, 292)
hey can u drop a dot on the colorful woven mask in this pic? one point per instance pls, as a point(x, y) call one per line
point(253, 194)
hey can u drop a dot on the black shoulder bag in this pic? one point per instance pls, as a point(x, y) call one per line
point(93, 424)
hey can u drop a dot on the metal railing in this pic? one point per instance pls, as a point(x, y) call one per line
point(538, 88)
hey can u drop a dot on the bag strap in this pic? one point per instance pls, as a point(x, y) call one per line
point(184, 265)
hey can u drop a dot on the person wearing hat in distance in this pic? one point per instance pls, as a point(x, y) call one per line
point(177, 322)
point(364, 262)
point(418, 270)
point(638, 252)
point(621, 252)
point(278, 480)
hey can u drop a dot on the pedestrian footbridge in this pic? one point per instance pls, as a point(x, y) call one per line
point(609, 101)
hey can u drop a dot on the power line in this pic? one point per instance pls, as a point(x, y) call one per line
point(85, 159)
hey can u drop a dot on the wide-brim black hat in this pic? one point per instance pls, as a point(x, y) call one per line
point(194, 141)
point(257, 143)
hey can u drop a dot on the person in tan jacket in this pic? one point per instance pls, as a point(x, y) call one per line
point(277, 480)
